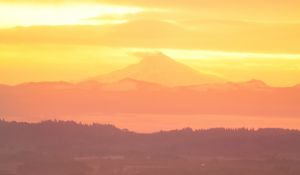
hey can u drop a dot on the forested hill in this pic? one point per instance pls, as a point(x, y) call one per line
point(67, 137)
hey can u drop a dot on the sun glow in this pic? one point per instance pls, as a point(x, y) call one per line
point(237, 40)
point(12, 15)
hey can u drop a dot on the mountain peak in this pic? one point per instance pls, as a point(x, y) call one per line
point(160, 69)
point(157, 58)
point(256, 83)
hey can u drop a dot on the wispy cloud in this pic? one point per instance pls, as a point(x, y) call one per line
point(222, 36)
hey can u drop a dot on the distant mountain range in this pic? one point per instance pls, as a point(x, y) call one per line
point(156, 85)
point(52, 99)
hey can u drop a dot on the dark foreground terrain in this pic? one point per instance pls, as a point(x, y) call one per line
point(68, 148)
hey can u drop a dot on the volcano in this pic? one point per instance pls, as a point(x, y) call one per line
point(160, 69)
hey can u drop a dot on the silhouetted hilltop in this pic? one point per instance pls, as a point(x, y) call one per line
point(79, 139)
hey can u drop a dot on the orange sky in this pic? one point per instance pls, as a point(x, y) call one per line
point(73, 40)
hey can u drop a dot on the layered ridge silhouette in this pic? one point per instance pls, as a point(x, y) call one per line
point(131, 96)
point(156, 85)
